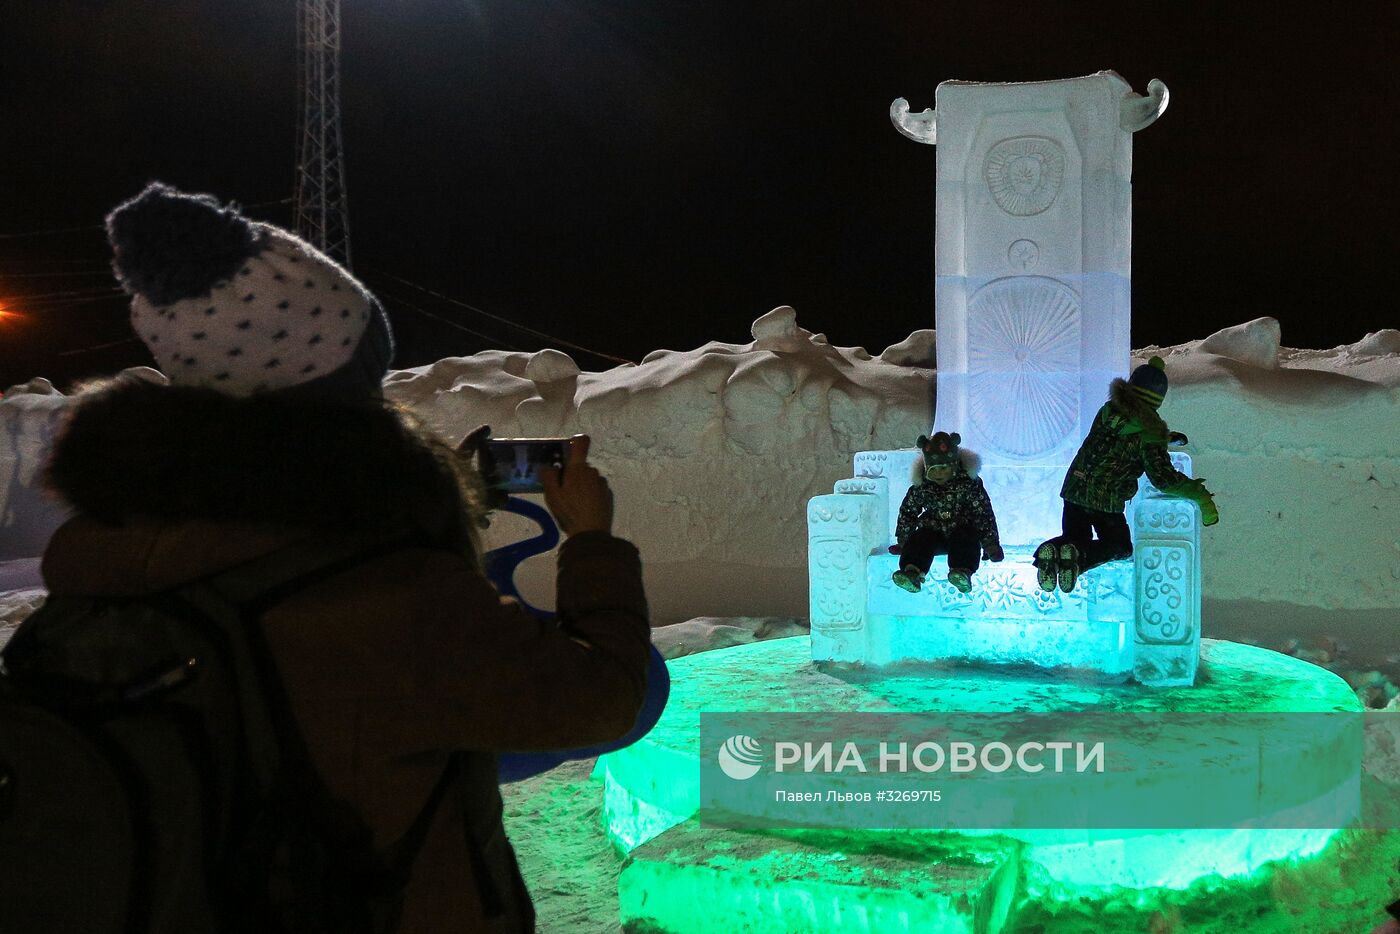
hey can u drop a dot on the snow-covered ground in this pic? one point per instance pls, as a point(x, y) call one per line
point(713, 453)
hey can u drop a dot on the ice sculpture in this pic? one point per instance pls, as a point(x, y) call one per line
point(1031, 253)
point(1031, 258)
point(1138, 618)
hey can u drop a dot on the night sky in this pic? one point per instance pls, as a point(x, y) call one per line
point(637, 174)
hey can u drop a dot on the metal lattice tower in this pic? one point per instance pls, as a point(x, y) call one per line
point(321, 213)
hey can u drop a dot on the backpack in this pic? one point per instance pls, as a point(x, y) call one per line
point(153, 779)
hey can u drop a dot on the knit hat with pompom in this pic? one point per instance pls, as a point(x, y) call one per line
point(243, 307)
point(1149, 381)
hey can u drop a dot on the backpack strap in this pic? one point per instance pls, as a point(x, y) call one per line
point(258, 586)
point(400, 855)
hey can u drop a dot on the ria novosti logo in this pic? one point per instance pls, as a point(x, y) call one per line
point(740, 756)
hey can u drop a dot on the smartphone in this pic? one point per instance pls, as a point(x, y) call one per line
point(512, 465)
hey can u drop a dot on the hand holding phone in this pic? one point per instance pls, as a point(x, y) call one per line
point(577, 495)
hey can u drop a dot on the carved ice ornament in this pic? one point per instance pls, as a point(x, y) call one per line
point(921, 127)
point(1024, 174)
point(1023, 335)
point(1135, 112)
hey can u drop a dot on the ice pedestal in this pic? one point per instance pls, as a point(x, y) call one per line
point(653, 793)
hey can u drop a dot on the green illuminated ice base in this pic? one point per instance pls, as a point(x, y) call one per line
point(870, 880)
point(698, 878)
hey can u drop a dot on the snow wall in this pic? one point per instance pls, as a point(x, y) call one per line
point(713, 453)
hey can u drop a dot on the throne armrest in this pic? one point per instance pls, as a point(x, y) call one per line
point(1167, 591)
point(842, 530)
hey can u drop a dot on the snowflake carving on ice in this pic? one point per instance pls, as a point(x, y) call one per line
point(997, 592)
point(1024, 174)
point(1023, 361)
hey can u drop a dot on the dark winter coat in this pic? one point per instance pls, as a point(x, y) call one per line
point(962, 501)
point(1128, 438)
point(390, 666)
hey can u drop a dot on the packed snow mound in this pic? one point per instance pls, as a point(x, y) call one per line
point(1244, 357)
point(787, 394)
point(714, 452)
point(550, 366)
point(30, 416)
point(707, 633)
point(1378, 343)
point(1254, 342)
point(918, 349)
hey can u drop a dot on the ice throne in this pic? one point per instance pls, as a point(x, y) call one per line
point(1033, 233)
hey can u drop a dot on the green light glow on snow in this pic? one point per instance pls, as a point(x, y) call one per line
point(848, 880)
point(707, 879)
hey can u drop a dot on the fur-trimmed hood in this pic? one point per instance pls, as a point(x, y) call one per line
point(136, 450)
point(968, 464)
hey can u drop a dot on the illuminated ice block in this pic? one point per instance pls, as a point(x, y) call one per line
point(1006, 619)
point(861, 882)
point(1033, 232)
point(1137, 618)
point(654, 785)
point(842, 530)
point(1167, 566)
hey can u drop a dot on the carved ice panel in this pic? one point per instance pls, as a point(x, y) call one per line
point(837, 530)
point(1023, 364)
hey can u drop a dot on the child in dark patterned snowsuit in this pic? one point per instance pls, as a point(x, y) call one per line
point(949, 513)
point(1128, 439)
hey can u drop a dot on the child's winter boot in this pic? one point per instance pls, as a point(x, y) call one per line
point(908, 578)
point(1046, 570)
point(1068, 567)
point(960, 579)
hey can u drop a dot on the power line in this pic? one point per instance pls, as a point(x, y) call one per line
point(64, 304)
point(41, 297)
point(461, 327)
point(506, 321)
point(69, 353)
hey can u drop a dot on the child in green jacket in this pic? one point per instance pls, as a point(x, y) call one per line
point(1128, 439)
point(947, 512)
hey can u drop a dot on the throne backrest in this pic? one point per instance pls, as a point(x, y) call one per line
point(1031, 291)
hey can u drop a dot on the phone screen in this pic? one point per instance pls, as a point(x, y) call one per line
point(516, 462)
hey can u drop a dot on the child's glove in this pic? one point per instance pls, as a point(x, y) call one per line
point(1196, 492)
point(993, 553)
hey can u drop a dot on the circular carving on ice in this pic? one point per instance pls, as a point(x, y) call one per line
point(1023, 255)
point(1024, 174)
point(1023, 363)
